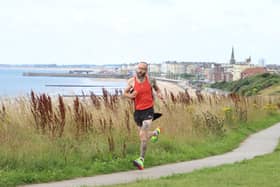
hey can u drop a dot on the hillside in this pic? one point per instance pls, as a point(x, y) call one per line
point(273, 90)
point(252, 85)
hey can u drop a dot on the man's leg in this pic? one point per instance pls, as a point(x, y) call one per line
point(144, 135)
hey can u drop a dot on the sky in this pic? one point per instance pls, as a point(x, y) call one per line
point(125, 31)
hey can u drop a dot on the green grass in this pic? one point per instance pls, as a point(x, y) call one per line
point(273, 90)
point(262, 171)
point(33, 151)
point(165, 151)
point(250, 85)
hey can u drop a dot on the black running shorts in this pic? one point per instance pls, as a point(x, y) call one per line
point(141, 115)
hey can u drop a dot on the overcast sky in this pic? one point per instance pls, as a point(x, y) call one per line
point(123, 31)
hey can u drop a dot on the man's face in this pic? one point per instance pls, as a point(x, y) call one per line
point(141, 70)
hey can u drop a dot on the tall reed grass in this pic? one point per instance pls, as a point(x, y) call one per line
point(41, 132)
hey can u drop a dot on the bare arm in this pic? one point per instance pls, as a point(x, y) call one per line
point(128, 90)
point(156, 88)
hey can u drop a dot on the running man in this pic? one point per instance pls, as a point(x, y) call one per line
point(140, 89)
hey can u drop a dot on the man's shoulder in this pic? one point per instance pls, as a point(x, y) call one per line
point(130, 81)
point(152, 81)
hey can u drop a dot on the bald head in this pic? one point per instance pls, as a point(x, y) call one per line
point(142, 65)
point(142, 69)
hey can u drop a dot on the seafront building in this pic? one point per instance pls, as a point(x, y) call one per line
point(206, 71)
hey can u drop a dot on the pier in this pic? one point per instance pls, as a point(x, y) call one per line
point(88, 75)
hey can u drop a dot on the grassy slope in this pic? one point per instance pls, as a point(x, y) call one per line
point(273, 90)
point(259, 172)
point(251, 85)
point(191, 132)
point(158, 154)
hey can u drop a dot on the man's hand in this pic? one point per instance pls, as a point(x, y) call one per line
point(132, 95)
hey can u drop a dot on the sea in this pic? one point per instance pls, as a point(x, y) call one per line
point(14, 84)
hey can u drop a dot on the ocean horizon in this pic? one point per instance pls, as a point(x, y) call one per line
point(14, 84)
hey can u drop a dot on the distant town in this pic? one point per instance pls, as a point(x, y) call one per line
point(204, 72)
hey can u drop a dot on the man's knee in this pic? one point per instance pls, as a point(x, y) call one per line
point(143, 133)
point(146, 124)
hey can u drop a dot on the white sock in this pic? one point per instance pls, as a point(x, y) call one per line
point(155, 133)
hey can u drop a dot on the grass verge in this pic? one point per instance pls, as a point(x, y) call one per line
point(164, 152)
point(258, 172)
point(42, 140)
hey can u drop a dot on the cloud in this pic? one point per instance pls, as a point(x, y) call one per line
point(110, 31)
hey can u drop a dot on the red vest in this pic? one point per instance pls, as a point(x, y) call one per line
point(144, 97)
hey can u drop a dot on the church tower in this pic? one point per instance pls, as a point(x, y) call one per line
point(232, 59)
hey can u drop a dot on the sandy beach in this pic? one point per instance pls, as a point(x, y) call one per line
point(175, 88)
point(170, 87)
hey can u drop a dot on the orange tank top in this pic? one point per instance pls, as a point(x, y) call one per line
point(144, 96)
